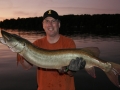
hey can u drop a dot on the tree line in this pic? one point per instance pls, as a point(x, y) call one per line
point(93, 24)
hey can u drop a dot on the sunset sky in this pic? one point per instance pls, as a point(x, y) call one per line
point(32, 8)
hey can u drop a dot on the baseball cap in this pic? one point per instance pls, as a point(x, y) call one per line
point(51, 13)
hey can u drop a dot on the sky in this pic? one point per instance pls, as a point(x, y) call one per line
point(35, 8)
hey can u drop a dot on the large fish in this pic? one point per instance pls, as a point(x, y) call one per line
point(55, 59)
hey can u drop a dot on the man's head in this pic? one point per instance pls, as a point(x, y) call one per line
point(51, 23)
point(51, 13)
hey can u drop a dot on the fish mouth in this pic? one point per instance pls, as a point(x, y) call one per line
point(12, 48)
point(5, 35)
point(2, 40)
point(12, 41)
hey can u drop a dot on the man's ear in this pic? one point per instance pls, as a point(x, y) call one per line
point(59, 24)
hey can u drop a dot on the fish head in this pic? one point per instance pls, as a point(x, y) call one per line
point(13, 41)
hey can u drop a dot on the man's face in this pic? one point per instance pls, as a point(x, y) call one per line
point(51, 26)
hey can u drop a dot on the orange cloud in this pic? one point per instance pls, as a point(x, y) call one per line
point(21, 13)
point(2, 18)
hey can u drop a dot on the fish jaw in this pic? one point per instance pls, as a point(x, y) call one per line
point(2, 40)
point(12, 41)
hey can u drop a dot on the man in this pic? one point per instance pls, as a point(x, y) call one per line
point(48, 79)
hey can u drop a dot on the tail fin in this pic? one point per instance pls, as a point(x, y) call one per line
point(113, 74)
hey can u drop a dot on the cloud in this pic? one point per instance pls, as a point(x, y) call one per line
point(24, 14)
point(21, 13)
point(83, 10)
point(2, 18)
point(5, 4)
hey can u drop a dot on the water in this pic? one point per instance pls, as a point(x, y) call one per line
point(13, 77)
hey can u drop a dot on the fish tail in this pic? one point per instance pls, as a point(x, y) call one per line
point(113, 74)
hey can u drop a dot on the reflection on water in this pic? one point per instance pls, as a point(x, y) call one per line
point(13, 77)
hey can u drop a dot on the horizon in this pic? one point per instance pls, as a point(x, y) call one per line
point(61, 15)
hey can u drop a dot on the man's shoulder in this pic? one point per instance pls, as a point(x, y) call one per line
point(67, 42)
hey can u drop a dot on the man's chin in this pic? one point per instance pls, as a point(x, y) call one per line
point(52, 34)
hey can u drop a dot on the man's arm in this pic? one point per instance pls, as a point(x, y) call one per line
point(26, 65)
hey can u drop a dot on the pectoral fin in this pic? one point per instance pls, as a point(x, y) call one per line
point(91, 71)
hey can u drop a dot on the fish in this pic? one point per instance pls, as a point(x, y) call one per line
point(56, 59)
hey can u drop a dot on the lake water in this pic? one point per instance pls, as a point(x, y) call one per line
point(13, 77)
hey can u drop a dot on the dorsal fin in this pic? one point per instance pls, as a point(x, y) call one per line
point(93, 50)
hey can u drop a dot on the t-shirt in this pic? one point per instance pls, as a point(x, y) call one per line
point(50, 79)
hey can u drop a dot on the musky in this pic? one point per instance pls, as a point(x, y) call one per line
point(35, 8)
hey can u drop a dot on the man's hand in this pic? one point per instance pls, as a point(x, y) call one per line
point(63, 70)
point(75, 65)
